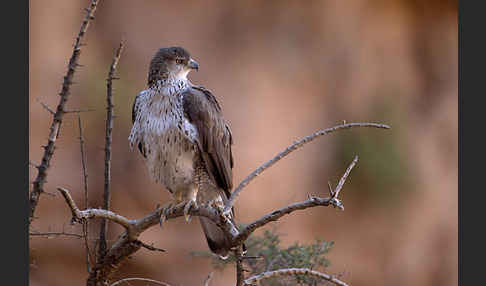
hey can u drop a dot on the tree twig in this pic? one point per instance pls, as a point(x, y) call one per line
point(151, 247)
point(83, 162)
point(340, 185)
point(108, 141)
point(240, 273)
point(311, 202)
point(208, 279)
point(119, 282)
point(254, 280)
point(46, 107)
point(85, 183)
point(80, 216)
point(38, 185)
point(48, 234)
point(296, 145)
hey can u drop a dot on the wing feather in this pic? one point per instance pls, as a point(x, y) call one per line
point(215, 139)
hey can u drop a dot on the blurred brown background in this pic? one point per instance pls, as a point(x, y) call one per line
point(281, 70)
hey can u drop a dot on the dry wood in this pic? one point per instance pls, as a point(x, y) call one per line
point(108, 141)
point(296, 145)
point(38, 185)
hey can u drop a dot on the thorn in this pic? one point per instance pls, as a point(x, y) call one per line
point(46, 107)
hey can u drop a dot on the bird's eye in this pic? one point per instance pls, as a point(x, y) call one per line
point(179, 61)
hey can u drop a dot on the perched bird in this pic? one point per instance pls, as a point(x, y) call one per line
point(179, 129)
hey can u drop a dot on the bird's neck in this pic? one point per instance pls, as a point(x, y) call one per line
point(173, 84)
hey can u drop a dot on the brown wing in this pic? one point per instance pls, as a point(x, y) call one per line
point(215, 139)
point(134, 117)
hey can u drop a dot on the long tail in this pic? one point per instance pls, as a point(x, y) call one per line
point(217, 241)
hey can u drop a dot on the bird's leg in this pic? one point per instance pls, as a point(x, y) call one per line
point(166, 209)
point(190, 201)
point(185, 197)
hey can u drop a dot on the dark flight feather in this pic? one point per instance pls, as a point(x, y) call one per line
point(202, 110)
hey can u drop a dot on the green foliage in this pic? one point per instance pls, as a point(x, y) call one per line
point(265, 254)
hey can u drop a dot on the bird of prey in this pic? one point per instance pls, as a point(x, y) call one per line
point(179, 129)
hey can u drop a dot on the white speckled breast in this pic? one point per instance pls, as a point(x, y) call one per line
point(168, 138)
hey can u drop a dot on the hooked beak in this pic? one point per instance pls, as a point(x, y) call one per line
point(193, 64)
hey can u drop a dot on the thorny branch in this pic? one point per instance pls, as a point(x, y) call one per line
point(85, 183)
point(38, 185)
point(108, 140)
point(50, 234)
point(288, 150)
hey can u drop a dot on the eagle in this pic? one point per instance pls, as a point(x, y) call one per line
point(179, 129)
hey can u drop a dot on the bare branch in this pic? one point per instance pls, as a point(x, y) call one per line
point(151, 247)
point(83, 162)
point(311, 202)
point(288, 150)
point(49, 234)
point(108, 140)
point(254, 280)
point(275, 215)
point(85, 181)
point(119, 282)
point(340, 185)
point(128, 243)
point(46, 107)
point(208, 279)
point(240, 275)
point(80, 216)
point(38, 185)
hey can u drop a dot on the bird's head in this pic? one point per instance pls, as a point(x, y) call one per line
point(173, 62)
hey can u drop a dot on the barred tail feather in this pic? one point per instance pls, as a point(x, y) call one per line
point(217, 241)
